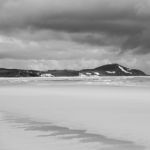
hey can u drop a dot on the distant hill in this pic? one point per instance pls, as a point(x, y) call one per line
point(105, 70)
point(19, 73)
point(112, 70)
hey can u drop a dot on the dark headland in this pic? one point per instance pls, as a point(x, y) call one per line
point(105, 70)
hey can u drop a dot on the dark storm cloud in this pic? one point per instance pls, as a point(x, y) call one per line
point(109, 27)
point(120, 23)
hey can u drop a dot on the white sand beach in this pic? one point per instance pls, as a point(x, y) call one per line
point(64, 117)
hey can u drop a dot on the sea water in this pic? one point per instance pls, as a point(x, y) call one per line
point(105, 113)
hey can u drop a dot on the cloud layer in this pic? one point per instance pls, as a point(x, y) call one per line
point(74, 29)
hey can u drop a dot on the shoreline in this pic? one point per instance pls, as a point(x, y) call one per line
point(122, 81)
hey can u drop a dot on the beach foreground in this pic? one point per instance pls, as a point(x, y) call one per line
point(64, 117)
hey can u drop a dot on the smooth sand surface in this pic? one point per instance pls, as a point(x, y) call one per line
point(74, 117)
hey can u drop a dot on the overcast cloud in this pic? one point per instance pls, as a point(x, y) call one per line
point(71, 31)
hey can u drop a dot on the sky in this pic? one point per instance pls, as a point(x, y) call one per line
point(74, 34)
